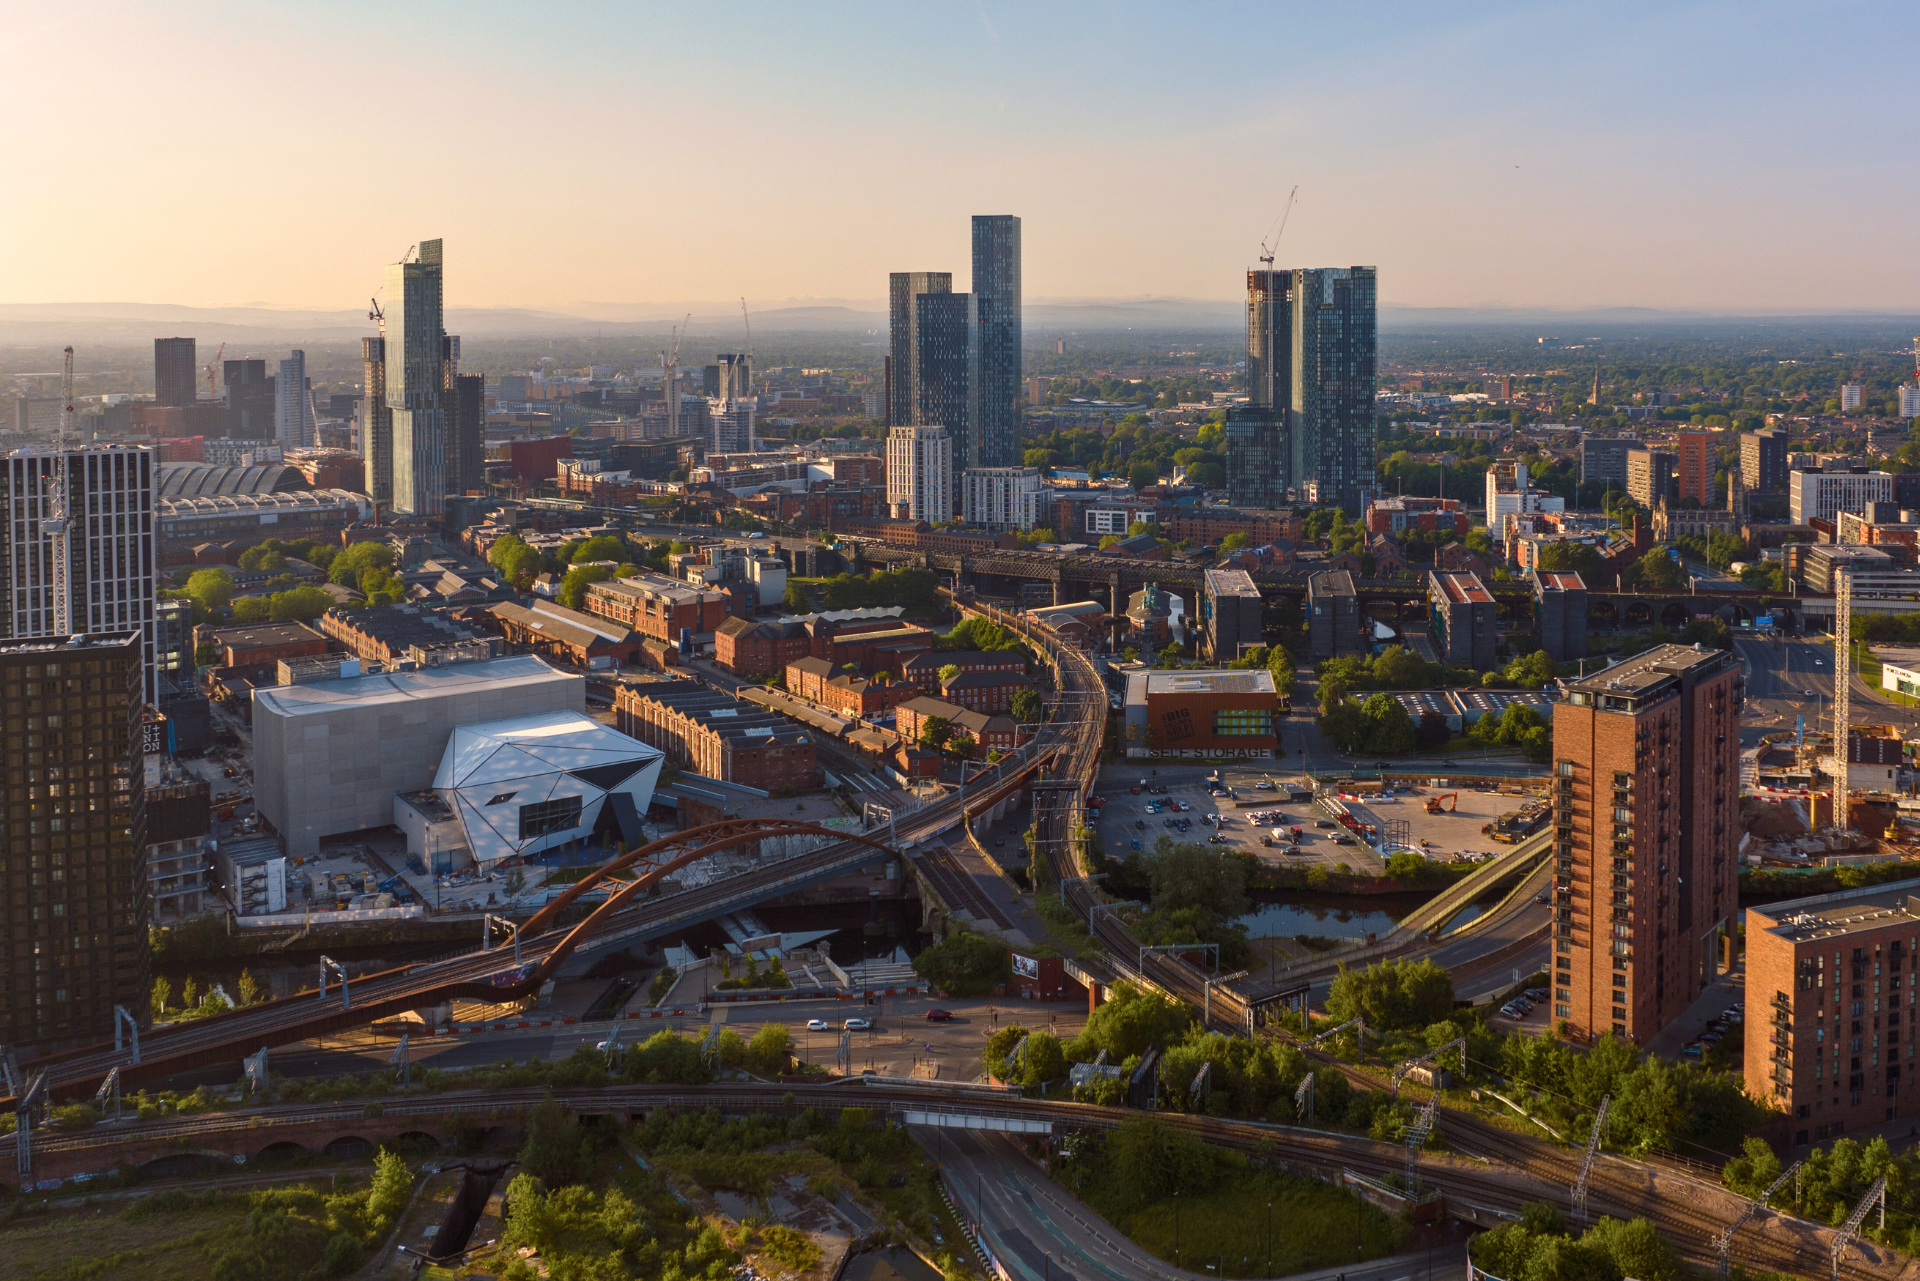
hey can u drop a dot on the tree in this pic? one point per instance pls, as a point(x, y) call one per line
point(796, 600)
point(246, 989)
point(1141, 475)
point(392, 1188)
point(1027, 707)
point(1235, 542)
point(1657, 571)
point(266, 558)
point(1191, 875)
point(1173, 655)
point(554, 1149)
point(162, 993)
point(962, 747)
point(1389, 728)
point(1398, 667)
point(253, 609)
point(1577, 558)
point(1042, 1060)
point(963, 964)
point(602, 547)
point(301, 604)
point(1392, 995)
point(948, 672)
point(767, 1053)
point(211, 589)
point(573, 588)
point(935, 731)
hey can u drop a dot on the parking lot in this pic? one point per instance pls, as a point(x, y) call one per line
point(1124, 819)
point(1186, 812)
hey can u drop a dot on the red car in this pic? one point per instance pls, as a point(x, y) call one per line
point(1134, 790)
point(938, 1016)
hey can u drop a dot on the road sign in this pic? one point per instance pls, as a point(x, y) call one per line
point(1764, 620)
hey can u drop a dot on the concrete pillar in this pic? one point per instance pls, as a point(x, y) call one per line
point(1056, 588)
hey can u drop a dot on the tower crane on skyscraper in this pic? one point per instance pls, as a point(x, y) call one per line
point(1267, 252)
point(55, 521)
point(376, 315)
point(670, 377)
point(749, 323)
point(211, 393)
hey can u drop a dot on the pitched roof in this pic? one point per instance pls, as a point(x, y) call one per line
point(812, 666)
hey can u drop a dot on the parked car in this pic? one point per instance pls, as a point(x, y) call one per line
point(939, 1016)
point(819, 1025)
point(1264, 786)
point(1343, 840)
point(858, 1025)
point(1140, 824)
point(1694, 1051)
point(1000, 842)
point(1323, 822)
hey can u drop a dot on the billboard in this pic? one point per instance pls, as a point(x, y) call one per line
point(1764, 620)
point(1025, 966)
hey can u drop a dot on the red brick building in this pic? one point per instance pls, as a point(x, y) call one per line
point(1646, 792)
point(1831, 987)
point(709, 734)
point(536, 461)
point(1002, 732)
point(758, 650)
point(924, 669)
point(658, 606)
point(983, 691)
point(921, 536)
point(254, 650)
point(1211, 524)
point(856, 696)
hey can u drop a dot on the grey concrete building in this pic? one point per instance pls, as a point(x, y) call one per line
point(1560, 614)
point(1604, 458)
point(1229, 613)
point(1650, 476)
point(1333, 616)
point(1465, 622)
point(328, 757)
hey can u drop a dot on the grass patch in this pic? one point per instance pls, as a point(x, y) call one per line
point(70, 1246)
point(1068, 928)
point(748, 1173)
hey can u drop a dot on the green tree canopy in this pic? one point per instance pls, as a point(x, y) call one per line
point(963, 964)
point(1027, 707)
point(210, 589)
point(1392, 995)
point(935, 731)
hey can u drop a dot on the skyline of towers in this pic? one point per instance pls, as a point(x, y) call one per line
point(954, 358)
point(1307, 433)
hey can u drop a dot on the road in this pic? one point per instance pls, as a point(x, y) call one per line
point(1040, 1232)
point(1788, 679)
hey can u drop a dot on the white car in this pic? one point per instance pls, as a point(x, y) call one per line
point(819, 1025)
point(858, 1025)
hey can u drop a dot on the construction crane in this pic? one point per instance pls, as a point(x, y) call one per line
point(55, 521)
point(1266, 257)
point(670, 377)
point(376, 315)
point(211, 393)
point(1433, 803)
point(748, 321)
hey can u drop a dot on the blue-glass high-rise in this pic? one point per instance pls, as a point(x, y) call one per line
point(996, 284)
point(1308, 433)
point(946, 372)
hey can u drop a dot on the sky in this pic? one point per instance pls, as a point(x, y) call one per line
point(591, 157)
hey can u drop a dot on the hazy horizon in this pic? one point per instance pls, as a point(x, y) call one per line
point(1701, 157)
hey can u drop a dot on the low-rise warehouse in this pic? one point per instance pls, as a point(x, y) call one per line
point(566, 634)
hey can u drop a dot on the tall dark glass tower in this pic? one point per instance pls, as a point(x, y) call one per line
point(416, 385)
point(946, 372)
point(996, 283)
point(903, 322)
point(1311, 347)
point(175, 372)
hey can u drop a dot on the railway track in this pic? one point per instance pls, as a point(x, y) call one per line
point(1511, 1171)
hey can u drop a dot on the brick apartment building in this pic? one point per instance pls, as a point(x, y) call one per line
point(1209, 525)
point(254, 650)
point(983, 691)
point(657, 606)
point(1646, 809)
point(990, 731)
point(1831, 984)
point(924, 669)
point(874, 645)
point(845, 693)
point(712, 735)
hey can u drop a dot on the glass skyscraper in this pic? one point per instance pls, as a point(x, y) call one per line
point(946, 371)
point(417, 388)
point(996, 284)
point(903, 328)
point(1308, 433)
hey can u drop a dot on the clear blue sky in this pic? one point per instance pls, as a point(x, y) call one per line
point(1717, 156)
